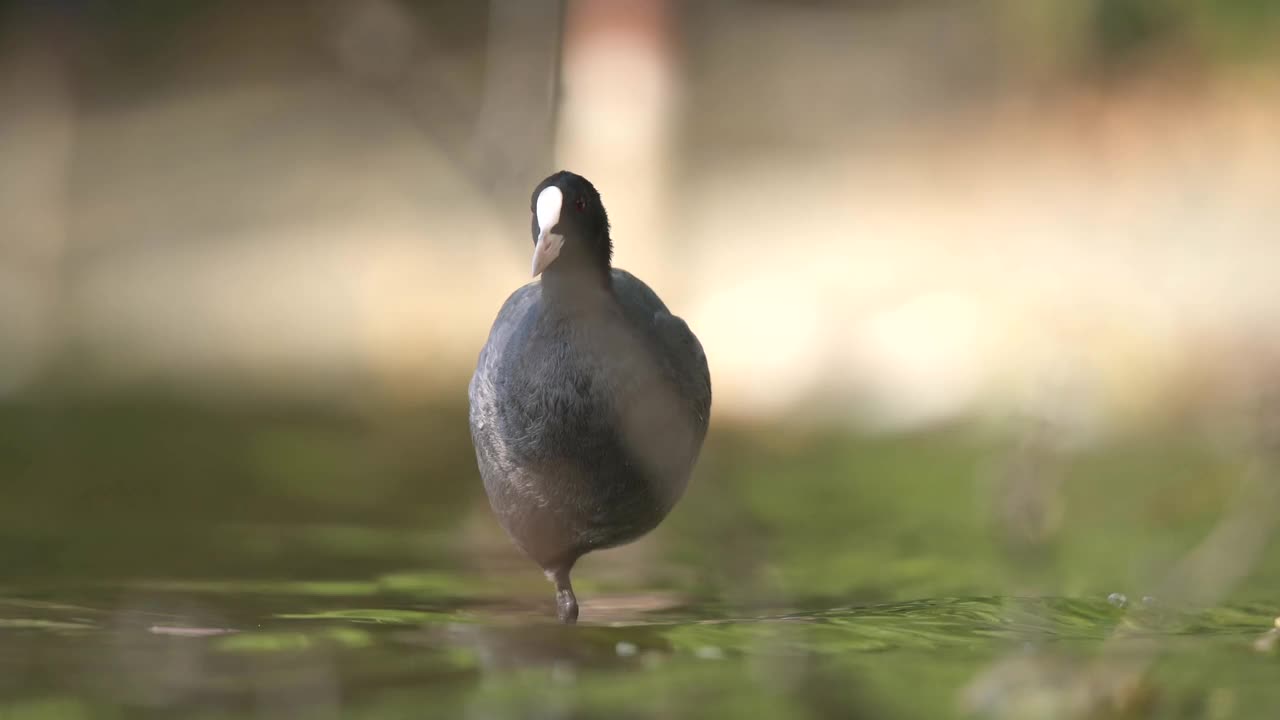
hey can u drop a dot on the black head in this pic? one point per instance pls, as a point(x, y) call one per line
point(578, 235)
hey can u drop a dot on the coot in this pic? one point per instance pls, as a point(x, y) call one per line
point(590, 400)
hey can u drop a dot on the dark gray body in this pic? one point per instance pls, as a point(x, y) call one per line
point(588, 410)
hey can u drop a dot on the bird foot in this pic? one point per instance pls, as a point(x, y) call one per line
point(566, 606)
point(566, 602)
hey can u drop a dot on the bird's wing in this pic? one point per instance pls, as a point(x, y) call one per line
point(512, 319)
point(682, 356)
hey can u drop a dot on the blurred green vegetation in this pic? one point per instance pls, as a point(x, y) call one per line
point(1081, 39)
point(103, 487)
point(1224, 29)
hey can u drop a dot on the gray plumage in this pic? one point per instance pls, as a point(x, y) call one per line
point(589, 405)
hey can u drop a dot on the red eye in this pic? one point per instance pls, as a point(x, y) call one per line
point(580, 203)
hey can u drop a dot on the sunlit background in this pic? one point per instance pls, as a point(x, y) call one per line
point(988, 292)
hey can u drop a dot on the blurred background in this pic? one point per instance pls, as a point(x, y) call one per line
point(987, 291)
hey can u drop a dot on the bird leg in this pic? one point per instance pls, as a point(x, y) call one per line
point(566, 602)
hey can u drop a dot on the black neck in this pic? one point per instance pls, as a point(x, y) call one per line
point(575, 278)
point(582, 264)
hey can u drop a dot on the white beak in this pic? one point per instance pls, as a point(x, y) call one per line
point(548, 246)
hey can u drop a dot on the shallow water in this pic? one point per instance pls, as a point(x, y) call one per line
point(254, 650)
point(169, 562)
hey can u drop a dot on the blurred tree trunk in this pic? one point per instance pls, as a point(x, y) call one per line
point(37, 133)
point(499, 132)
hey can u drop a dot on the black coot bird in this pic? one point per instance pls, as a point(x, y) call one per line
point(590, 400)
